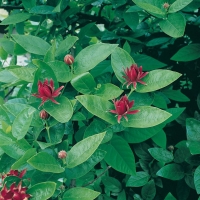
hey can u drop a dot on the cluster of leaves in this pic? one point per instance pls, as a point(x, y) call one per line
point(150, 156)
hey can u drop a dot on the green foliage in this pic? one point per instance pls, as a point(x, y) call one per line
point(94, 128)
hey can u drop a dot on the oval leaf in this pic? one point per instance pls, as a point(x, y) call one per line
point(32, 44)
point(157, 79)
point(80, 193)
point(178, 5)
point(172, 172)
point(42, 191)
point(62, 112)
point(15, 18)
point(92, 55)
point(22, 122)
point(197, 179)
point(81, 151)
point(45, 163)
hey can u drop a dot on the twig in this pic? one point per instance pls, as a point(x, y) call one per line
point(10, 92)
point(98, 176)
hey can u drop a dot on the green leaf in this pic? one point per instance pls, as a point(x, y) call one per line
point(194, 147)
point(28, 4)
point(178, 5)
point(157, 41)
point(147, 117)
point(122, 195)
point(149, 190)
point(82, 150)
point(187, 53)
point(17, 149)
point(50, 54)
point(45, 163)
point(120, 60)
point(160, 139)
point(29, 153)
point(148, 63)
point(111, 184)
point(171, 171)
point(193, 129)
point(197, 179)
point(131, 19)
point(42, 191)
point(98, 106)
point(176, 112)
point(3, 115)
point(22, 122)
point(43, 10)
point(80, 193)
point(15, 18)
point(108, 91)
point(4, 139)
point(174, 25)
point(92, 55)
point(85, 167)
point(153, 80)
point(65, 45)
point(119, 155)
point(140, 179)
point(32, 44)
point(61, 70)
point(176, 95)
point(24, 73)
point(161, 155)
point(62, 112)
point(84, 83)
point(170, 197)
point(149, 7)
point(137, 135)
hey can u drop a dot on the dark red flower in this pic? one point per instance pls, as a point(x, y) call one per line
point(46, 91)
point(44, 115)
point(14, 173)
point(69, 59)
point(122, 108)
point(134, 74)
point(14, 192)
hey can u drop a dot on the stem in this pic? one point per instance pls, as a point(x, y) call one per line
point(47, 128)
point(38, 28)
point(132, 90)
point(97, 177)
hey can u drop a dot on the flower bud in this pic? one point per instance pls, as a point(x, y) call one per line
point(62, 154)
point(44, 114)
point(170, 148)
point(166, 5)
point(69, 59)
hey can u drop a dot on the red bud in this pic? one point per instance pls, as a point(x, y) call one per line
point(44, 114)
point(69, 59)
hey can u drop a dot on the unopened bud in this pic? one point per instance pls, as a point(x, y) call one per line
point(166, 5)
point(44, 114)
point(170, 148)
point(69, 59)
point(62, 154)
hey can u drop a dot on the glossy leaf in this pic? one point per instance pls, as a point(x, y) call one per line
point(92, 55)
point(197, 179)
point(22, 122)
point(194, 147)
point(84, 83)
point(131, 19)
point(170, 197)
point(80, 193)
point(174, 25)
point(161, 155)
point(15, 18)
point(152, 115)
point(3, 115)
point(120, 60)
point(119, 155)
point(32, 44)
point(140, 179)
point(153, 80)
point(111, 184)
point(42, 9)
point(62, 112)
point(187, 53)
point(172, 172)
point(45, 162)
point(5, 140)
point(61, 70)
point(149, 190)
point(178, 5)
point(42, 191)
point(160, 139)
point(82, 150)
point(193, 129)
point(176, 95)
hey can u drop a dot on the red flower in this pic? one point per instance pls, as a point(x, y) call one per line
point(122, 108)
point(134, 74)
point(62, 154)
point(14, 173)
point(14, 192)
point(46, 91)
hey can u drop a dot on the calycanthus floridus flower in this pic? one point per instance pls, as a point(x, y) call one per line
point(46, 91)
point(122, 108)
point(14, 173)
point(134, 74)
point(14, 192)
